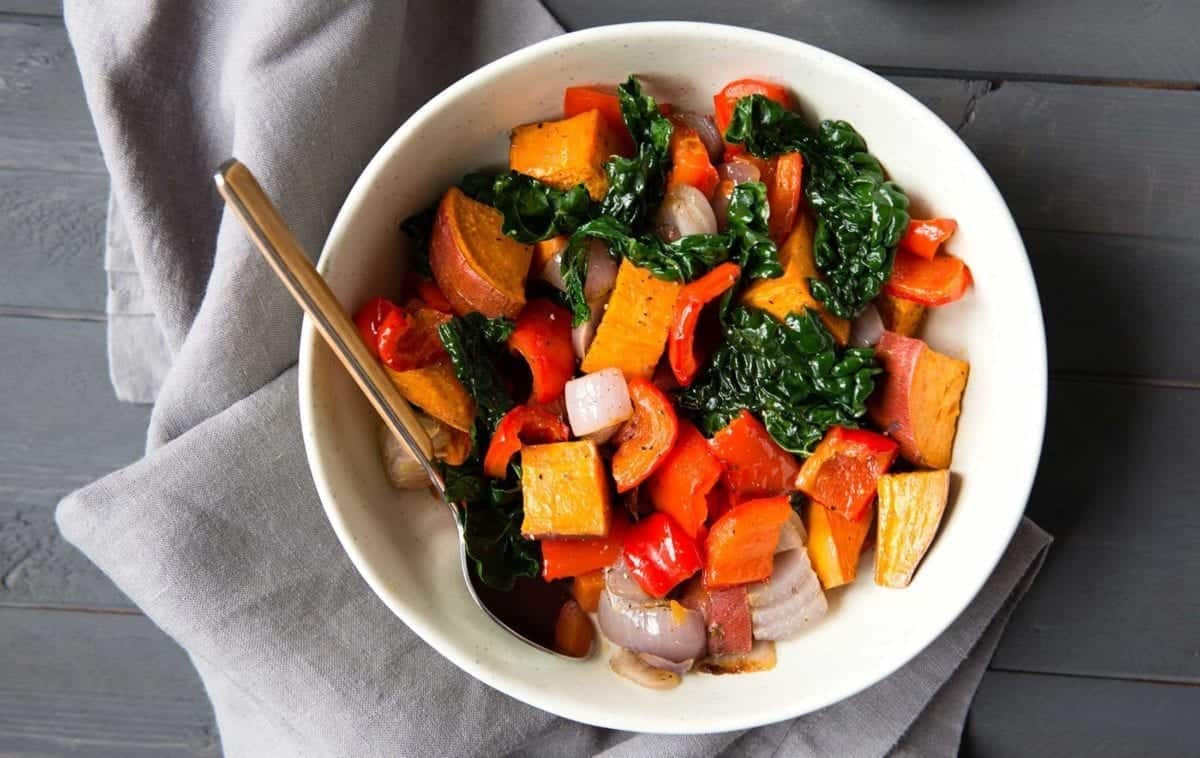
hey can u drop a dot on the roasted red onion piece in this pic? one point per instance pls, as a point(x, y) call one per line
point(597, 401)
point(679, 667)
point(790, 600)
point(868, 328)
point(582, 335)
point(739, 172)
point(707, 130)
point(636, 670)
point(684, 211)
point(631, 619)
point(601, 271)
point(792, 535)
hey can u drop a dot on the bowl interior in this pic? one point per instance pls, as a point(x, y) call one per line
point(404, 544)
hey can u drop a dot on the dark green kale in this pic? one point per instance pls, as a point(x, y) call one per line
point(679, 261)
point(860, 215)
point(635, 185)
point(790, 374)
point(749, 213)
point(532, 210)
point(491, 512)
point(472, 341)
point(418, 228)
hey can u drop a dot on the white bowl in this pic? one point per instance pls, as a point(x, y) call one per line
point(404, 543)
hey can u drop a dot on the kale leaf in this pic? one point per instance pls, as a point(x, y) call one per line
point(471, 341)
point(749, 213)
point(532, 210)
point(491, 513)
point(860, 215)
point(790, 374)
point(419, 227)
point(635, 185)
point(678, 261)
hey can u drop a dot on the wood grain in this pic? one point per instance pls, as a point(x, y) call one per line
point(60, 428)
point(44, 121)
point(52, 240)
point(1118, 596)
point(98, 684)
point(1042, 715)
point(1085, 39)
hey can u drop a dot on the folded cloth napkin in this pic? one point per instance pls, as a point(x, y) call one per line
point(217, 534)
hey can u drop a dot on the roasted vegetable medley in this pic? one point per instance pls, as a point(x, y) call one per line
point(672, 359)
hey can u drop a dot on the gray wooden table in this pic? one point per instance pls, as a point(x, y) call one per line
point(1086, 112)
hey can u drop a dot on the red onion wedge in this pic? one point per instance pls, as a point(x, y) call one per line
point(597, 401)
point(868, 328)
point(679, 667)
point(706, 129)
point(739, 172)
point(662, 628)
point(792, 535)
point(684, 211)
point(601, 271)
point(582, 335)
point(789, 601)
point(629, 665)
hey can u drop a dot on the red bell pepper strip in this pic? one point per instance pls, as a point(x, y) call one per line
point(690, 163)
point(755, 464)
point(660, 554)
point(843, 472)
point(784, 182)
point(543, 338)
point(432, 295)
point(681, 340)
point(726, 100)
point(924, 237)
point(741, 545)
point(409, 339)
point(682, 483)
point(370, 317)
point(567, 558)
point(937, 281)
point(644, 441)
point(520, 426)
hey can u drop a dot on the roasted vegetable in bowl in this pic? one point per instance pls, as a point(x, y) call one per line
point(672, 360)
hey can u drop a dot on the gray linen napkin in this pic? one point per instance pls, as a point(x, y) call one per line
point(217, 534)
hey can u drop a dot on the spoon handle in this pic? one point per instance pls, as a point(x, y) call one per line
point(271, 234)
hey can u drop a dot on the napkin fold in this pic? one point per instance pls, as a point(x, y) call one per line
point(217, 534)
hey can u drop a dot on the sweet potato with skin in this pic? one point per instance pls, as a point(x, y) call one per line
point(919, 399)
point(565, 153)
point(904, 317)
point(910, 510)
point(835, 543)
point(436, 390)
point(790, 293)
point(565, 490)
point(475, 265)
point(633, 332)
point(726, 616)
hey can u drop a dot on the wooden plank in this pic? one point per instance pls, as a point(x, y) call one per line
point(1093, 159)
point(1027, 714)
point(1118, 305)
point(60, 428)
point(98, 684)
point(44, 121)
point(1120, 591)
point(52, 240)
point(1068, 38)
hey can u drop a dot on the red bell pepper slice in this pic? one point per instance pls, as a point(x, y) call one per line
point(543, 338)
point(690, 163)
point(843, 472)
point(682, 483)
point(660, 554)
point(726, 100)
point(925, 236)
point(644, 441)
point(937, 281)
point(520, 426)
point(681, 340)
point(755, 464)
point(741, 545)
point(566, 558)
point(370, 317)
point(409, 339)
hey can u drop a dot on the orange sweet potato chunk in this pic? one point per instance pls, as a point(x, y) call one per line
point(633, 332)
point(835, 543)
point(565, 489)
point(565, 153)
point(910, 509)
point(904, 317)
point(790, 293)
point(436, 390)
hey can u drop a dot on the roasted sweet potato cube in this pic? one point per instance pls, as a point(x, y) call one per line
point(633, 332)
point(835, 543)
point(790, 293)
point(436, 390)
point(904, 317)
point(565, 489)
point(565, 153)
point(910, 509)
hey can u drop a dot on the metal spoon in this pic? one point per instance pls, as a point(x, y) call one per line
point(270, 233)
